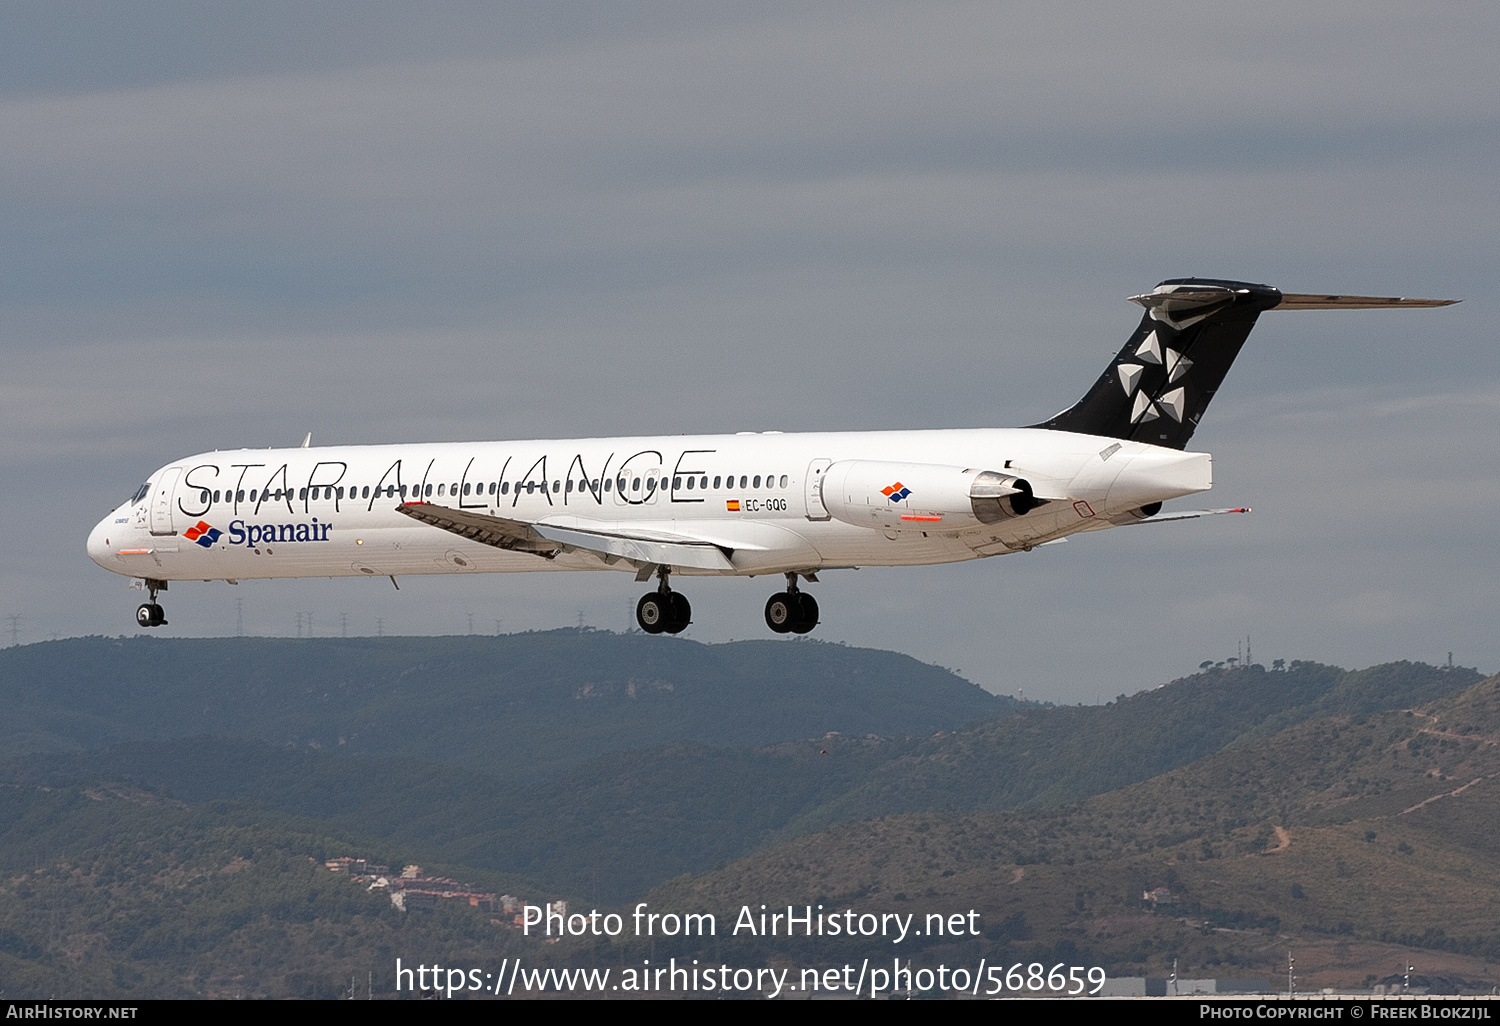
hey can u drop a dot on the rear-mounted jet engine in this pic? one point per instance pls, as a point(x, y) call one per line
point(893, 496)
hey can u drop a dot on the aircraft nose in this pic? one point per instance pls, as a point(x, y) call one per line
point(99, 541)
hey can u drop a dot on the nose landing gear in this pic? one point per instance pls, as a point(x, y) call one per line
point(791, 611)
point(663, 609)
point(149, 614)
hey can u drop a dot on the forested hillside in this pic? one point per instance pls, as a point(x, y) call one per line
point(157, 799)
point(1344, 836)
point(518, 706)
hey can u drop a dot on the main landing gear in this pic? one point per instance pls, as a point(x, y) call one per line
point(663, 609)
point(791, 611)
point(149, 614)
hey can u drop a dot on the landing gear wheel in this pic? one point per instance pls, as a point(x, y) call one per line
point(653, 612)
point(807, 616)
point(149, 614)
point(681, 613)
point(782, 610)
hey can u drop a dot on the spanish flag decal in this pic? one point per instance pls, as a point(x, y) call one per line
point(732, 505)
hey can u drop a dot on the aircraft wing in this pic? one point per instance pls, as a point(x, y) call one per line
point(640, 548)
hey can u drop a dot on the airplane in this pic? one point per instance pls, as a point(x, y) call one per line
point(734, 505)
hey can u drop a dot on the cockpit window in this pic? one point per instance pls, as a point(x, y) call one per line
point(140, 493)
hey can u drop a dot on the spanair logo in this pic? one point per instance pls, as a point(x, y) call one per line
point(202, 534)
point(896, 492)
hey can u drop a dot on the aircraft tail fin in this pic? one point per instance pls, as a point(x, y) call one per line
point(1158, 387)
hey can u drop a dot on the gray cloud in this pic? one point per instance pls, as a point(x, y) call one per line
point(225, 228)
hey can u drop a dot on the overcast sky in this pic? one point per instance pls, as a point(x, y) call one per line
point(228, 225)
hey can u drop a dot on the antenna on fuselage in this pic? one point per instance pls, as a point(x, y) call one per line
point(306, 440)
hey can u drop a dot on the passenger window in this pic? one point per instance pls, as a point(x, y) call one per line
point(366, 491)
point(704, 482)
point(440, 489)
point(756, 482)
point(743, 479)
point(239, 496)
point(691, 482)
point(607, 483)
point(717, 479)
point(556, 487)
point(635, 485)
point(783, 480)
point(677, 481)
point(504, 487)
point(252, 495)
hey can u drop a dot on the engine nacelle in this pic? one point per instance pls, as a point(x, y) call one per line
point(922, 496)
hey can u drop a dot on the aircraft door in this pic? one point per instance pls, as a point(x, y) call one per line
point(813, 490)
point(639, 484)
point(161, 501)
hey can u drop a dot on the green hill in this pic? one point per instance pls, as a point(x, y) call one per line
point(610, 827)
point(517, 706)
point(1303, 807)
point(1341, 836)
point(112, 893)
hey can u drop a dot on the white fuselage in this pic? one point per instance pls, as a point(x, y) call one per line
point(333, 511)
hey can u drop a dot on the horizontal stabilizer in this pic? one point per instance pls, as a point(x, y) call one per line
point(1309, 301)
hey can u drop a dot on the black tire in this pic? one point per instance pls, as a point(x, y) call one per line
point(682, 613)
point(781, 612)
point(145, 615)
point(807, 617)
point(158, 615)
point(653, 613)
